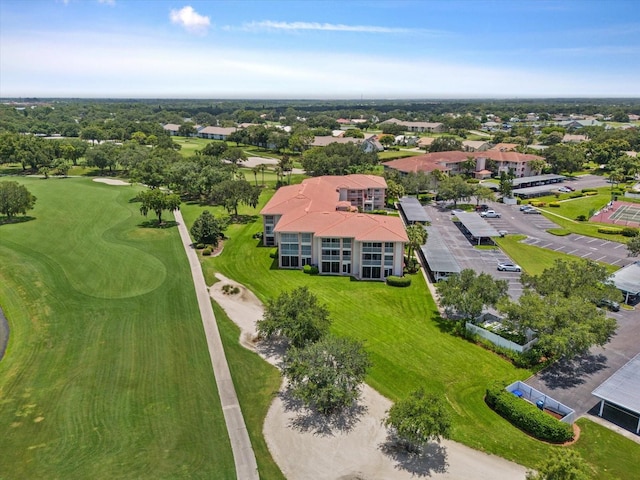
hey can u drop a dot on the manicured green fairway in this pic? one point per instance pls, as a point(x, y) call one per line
point(107, 374)
point(409, 344)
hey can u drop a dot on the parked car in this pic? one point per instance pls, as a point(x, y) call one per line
point(525, 207)
point(456, 211)
point(610, 304)
point(509, 267)
point(490, 214)
point(532, 210)
point(570, 188)
point(482, 208)
point(564, 190)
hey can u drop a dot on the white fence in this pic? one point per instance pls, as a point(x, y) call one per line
point(549, 403)
point(496, 339)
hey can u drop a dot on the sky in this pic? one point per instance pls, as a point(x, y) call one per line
point(374, 49)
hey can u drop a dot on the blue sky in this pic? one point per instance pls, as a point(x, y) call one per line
point(309, 49)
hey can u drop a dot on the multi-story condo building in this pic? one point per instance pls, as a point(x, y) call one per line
point(322, 222)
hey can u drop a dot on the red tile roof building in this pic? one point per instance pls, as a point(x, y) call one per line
point(451, 162)
point(321, 222)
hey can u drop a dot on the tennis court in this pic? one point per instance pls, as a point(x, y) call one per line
point(619, 213)
point(628, 212)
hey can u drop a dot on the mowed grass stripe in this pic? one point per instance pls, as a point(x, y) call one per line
point(110, 379)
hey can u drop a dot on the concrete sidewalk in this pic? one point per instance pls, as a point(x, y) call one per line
point(243, 456)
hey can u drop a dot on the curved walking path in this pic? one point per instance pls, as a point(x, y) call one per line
point(306, 447)
point(243, 456)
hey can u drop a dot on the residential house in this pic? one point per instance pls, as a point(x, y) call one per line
point(324, 140)
point(475, 145)
point(372, 144)
point(452, 161)
point(172, 128)
point(425, 142)
point(568, 138)
point(320, 222)
point(216, 133)
point(505, 147)
point(418, 127)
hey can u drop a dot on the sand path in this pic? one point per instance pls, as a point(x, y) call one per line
point(306, 446)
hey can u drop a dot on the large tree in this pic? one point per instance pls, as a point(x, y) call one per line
point(326, 375)
point(297, 316)
point(155, 200)
point(208, 229)
point(468, 294)
point(15, 199)
point(338, 159)
point(633, 247)
point(582, 278)
point(418, 419)
point(445, 144)
point(454, 188)
point(562, 464)
point(231, 193)
point(565, 326)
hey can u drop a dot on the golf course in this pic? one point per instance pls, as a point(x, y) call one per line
point(107, 373)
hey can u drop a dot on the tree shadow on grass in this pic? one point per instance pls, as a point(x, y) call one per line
point(445, 325)
point(155, 224)
point(21, 219)
point(421, 462)
point(324, 425)
point(570, 373)
point(243, 219)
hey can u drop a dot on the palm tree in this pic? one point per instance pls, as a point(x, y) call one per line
point(417, 237)
point(255, 171)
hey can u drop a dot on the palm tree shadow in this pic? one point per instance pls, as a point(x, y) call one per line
point(421, 461)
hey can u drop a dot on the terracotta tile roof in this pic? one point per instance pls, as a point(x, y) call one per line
point(218, 130)
point(504, 147)
point(311, 207)
point(438, 160)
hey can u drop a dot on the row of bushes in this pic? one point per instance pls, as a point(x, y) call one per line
point(630, 232)
point(610, 230)
point(527, 416)
point(394, 281)
point(310, 270)
point(554, 204)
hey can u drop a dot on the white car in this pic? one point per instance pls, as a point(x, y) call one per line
point(509, 267)
point(490, 214)
point(564, 190)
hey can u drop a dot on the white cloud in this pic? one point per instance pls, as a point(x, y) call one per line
point(111, 3)
point(191, 20)
point(331, 27)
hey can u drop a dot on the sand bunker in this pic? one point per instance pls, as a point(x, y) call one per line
point(111, 181)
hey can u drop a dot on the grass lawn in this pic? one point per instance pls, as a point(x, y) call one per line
point(535, 259)
point(409, 344)
point(394, 154)
point(107, 373)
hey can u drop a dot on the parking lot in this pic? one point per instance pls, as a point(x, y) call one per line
point(570, 382)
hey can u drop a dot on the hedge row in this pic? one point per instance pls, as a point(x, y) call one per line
point(590, 194)
point(586, 190)
point(554, 204)
point(394, 281)
point(630, 232)
point(527, 416)
point(610, 230)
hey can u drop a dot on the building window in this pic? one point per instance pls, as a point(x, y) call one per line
point(289, 261)
point(370, 272)
point(388, 247)
point(346, 268)
point(306, 238)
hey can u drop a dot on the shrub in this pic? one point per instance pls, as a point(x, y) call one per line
point(473, 180)
point(230, 289)
point(539, 204)
point(200, 246)
point(581, 218)
point(519, 201)
point(554, 204)
point(274, 253)
point(310, 270)
point(378, 212)
point(576, 195)
point(590, 194)
point(585, 190)
point(558, 232)
point(610, 230)
point(527, 416)
point(394, 281)
point(630, 232)
point(206, 252)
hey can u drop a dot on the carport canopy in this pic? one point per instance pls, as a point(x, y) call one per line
point(622, 389)
point(534, 191)
point(477, 226)
point(538, 179)
point(627, 279)
point(437, 255)
point(413, 211)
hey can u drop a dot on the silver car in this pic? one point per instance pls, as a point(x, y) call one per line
point(509, 267)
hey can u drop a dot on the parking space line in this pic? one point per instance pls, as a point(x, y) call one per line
point(579, 237)
point(574, 250)
point(545, 246)
point(593, 240)
point(585, 255)
point(619, 246)
point(559, 248)
point(598, 259)
point(604, 244)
